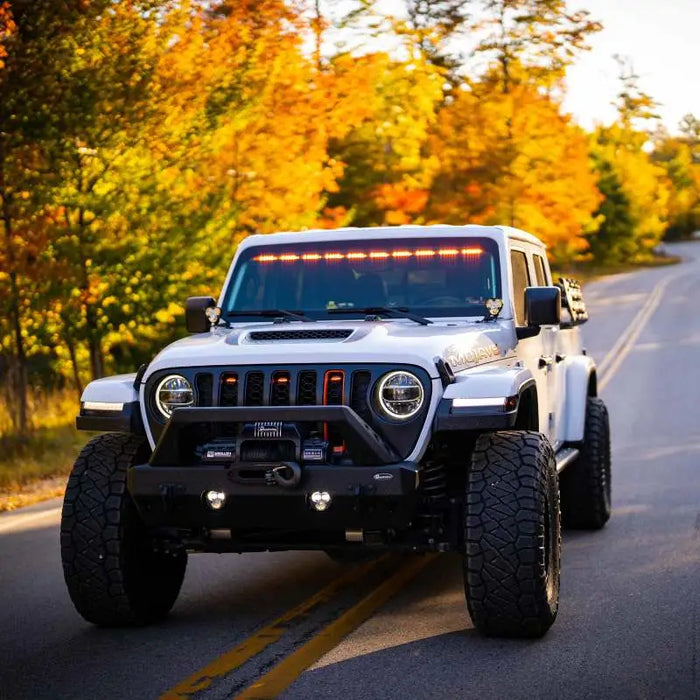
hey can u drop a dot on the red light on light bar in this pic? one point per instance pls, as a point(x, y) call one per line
point(356, 256)
point(401, 254)
point(334, 256)
point(266, 258)
point(378, 255)
point(472, 251)
point(288, 257)
point(424, 253)
point(311, 256)
point(447, 252)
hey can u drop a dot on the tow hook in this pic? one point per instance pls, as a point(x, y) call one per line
point(287, 475)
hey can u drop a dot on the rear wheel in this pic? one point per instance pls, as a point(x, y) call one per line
point(585, 485)
point(118, 573)
point(512, 535)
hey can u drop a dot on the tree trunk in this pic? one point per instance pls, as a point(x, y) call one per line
point(73, 359)
point(20, 375)
point(96, 357)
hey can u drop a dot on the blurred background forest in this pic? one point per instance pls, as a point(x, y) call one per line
point(141, 141)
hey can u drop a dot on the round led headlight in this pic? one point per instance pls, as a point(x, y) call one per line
point(400, 395)
point(173, 392)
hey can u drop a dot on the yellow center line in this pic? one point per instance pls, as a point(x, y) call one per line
point(611, 363)
point(289, 669)
point(264, 637)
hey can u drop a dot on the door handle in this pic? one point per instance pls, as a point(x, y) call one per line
point(545, 361)
point(560, 358)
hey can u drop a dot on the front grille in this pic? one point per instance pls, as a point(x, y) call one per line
point(296, 385)
point(328, 334)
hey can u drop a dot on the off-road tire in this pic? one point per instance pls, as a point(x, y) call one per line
point(115, 572)
point(512, 535)
point(585, 484)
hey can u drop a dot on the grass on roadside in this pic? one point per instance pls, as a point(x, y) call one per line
point(34, 467)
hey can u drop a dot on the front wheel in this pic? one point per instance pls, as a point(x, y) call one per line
point(117, 572)
point(512, 535)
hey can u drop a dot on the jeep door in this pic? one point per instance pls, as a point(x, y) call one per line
point(537, 352)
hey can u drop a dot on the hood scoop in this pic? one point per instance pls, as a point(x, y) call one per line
point(308, 335)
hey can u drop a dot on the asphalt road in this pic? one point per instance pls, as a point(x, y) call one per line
point(629, 619)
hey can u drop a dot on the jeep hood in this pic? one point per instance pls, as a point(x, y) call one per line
point(461, 344)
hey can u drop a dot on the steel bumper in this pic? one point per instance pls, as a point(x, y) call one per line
point(363, 497)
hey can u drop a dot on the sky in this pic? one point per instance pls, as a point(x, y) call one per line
point(661, 37)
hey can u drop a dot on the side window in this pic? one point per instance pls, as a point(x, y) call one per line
point(521, 279)
point(540, 271)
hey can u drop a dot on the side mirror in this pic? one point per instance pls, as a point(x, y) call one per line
point(542, 306)
point(196, 319)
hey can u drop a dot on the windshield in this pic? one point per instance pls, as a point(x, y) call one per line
point(428, 276)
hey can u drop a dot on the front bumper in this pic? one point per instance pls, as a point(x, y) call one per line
point(369, 498)
point(377, 491)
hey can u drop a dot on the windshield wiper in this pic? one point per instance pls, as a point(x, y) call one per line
point(282, 314)
point(396, 311)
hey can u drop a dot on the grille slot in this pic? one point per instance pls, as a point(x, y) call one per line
point(333, 388)
point(279, 391)
point(254, 389)
point(359, 390)
point(228, 391)
point(328, 334)
point(306, 389)
point(205, 393)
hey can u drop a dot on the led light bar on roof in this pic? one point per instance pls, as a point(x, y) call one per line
point(419, 253)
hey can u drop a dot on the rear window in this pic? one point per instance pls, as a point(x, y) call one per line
point(431, 277)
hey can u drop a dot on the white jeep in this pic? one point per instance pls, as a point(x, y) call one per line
point(413, 389)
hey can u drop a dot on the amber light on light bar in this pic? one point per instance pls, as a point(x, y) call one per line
point(371, 255)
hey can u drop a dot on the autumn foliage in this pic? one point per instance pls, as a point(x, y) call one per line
point(142, 140)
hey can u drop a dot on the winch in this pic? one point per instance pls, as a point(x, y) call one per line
point(265, 441)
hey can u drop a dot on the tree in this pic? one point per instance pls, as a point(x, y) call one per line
point(34, 38)
point(433, 24)
point(621, 148)
point(540, 38)
point(614, 241)
point(680, 159)
point(514, 159)
point(383, 152)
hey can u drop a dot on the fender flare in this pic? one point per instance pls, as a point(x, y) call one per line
point(492, 394)
point(111, 405)
point(579, 371)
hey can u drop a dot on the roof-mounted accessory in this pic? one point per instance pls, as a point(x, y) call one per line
point(572, 301)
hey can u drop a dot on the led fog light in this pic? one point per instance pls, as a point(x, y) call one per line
point(320, 500)
point(215, 499)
